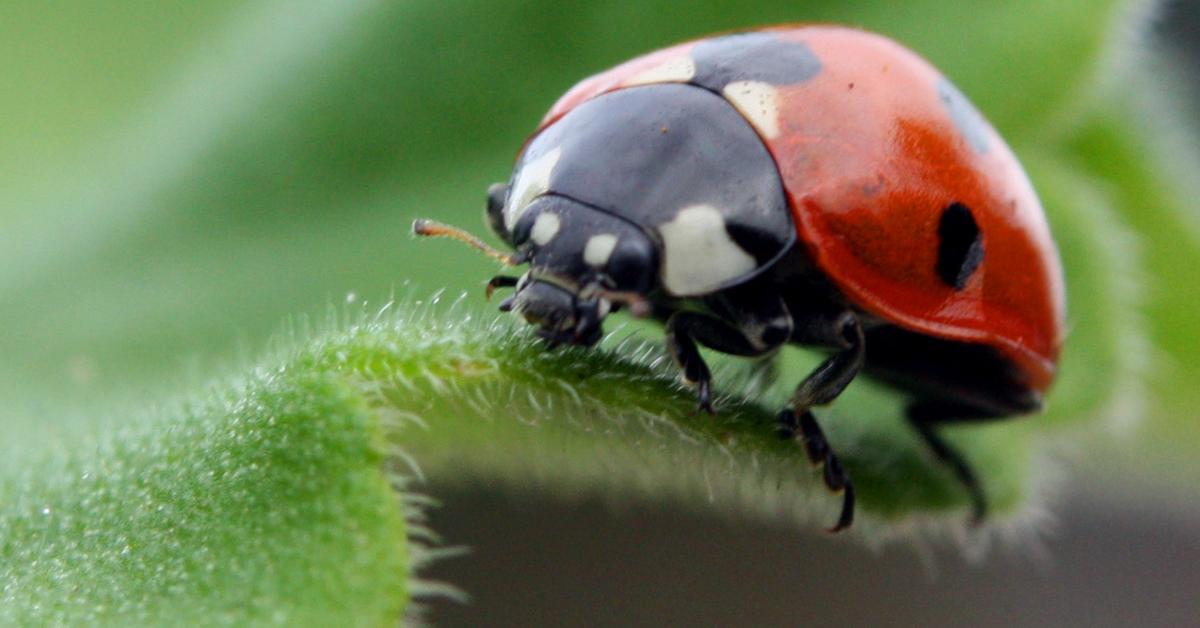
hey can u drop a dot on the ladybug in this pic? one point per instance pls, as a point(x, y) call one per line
point(816, 185)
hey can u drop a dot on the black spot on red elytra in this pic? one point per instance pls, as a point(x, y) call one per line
point(960, 246)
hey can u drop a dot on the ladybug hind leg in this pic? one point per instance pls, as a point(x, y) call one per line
point(925, 415)
point(821, 387)
point(950, 383)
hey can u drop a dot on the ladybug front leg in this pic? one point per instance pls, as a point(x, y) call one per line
point(748, 326)
point(821, 387)
point(687, 356)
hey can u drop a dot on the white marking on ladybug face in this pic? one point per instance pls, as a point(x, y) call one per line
point(532, 181)
point(677, 70)
point(598, 249)
point(545, 228)
point(758, 102)
point(698, 254)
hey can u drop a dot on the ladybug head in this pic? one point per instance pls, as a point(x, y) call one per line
point(583, 264)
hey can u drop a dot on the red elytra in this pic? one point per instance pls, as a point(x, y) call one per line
point(868, 150)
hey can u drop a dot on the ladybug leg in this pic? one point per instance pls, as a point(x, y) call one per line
point(924, 416)
point(951, 383)
point(822, 386)
point(745, 326)
point(832, 376)
point(821, 455)
point(687, 356)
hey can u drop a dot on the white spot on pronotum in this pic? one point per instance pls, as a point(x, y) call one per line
point(677, 70)
point(758, 102)
point(545, 228)
point(599, 248)
point(698, 254)
point(533, 180)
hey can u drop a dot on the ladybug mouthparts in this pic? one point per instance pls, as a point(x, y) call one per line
point(562, 316)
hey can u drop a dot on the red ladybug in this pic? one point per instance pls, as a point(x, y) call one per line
point(817, 185)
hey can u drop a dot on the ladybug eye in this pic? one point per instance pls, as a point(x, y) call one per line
point(631, 265)
point(496, 194)
point(960, 246)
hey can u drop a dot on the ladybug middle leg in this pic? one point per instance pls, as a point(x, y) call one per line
point(755, 324)
point(821, 387)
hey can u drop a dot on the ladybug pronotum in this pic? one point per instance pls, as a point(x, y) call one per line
point(815, 185)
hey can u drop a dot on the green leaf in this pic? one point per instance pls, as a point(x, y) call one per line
point(266, 503)
point(272, 499)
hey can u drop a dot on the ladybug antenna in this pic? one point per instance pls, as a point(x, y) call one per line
point(436, 229)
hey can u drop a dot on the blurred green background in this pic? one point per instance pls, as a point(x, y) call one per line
point(178, 179)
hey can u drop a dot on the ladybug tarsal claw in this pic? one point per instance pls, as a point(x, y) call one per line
point(847, 515)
